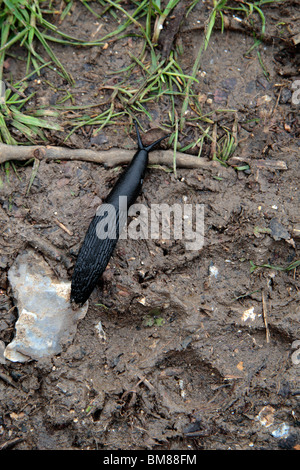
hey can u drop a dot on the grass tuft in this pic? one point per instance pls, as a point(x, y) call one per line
point(150, 79)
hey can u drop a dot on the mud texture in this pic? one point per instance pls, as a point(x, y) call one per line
point(194, 350)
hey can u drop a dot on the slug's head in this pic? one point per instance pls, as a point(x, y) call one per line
point(140, 143)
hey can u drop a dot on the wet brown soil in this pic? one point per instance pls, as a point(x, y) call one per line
point(196, 350)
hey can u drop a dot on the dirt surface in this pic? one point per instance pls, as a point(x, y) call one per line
point(196, 350)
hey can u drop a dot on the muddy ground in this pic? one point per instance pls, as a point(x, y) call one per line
point(197, 350)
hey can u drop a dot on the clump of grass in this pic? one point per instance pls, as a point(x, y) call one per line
point(22, 22)
point(156, 79)
point(30, 126)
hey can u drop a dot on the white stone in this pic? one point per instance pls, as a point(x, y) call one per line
point(46, 323)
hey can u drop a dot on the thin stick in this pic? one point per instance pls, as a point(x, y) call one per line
point(115, 156)
point(213, 149)
point(63, 227)
point(109, 158)
point(8, 380)
point(11, 443)
point(265, 316)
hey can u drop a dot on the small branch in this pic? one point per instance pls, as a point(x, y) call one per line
point(9, 444)
point(8, 380)
point(109, 158)
point(115, 156)
point(265, 316)
point(12, 88)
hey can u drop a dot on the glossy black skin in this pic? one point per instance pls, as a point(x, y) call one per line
point(95, 252)
point(130, 182)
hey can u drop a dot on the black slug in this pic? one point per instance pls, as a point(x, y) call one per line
point(106, 226)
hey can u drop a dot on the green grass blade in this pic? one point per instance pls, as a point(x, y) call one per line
point(33, 121)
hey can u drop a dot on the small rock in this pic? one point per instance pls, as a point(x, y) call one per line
point(282, 431)
point(100, 331)
point(278, 232)
point(213, 271)
point(266, 416)
point(46, 322)
point(285, 96)
point(98, 139)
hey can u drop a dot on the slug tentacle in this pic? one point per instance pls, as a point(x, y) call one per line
point(140, 143)
point(106, 226)
point(151, 146)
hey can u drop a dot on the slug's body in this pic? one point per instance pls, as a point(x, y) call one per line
point(97, 250)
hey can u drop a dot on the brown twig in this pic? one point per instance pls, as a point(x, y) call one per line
point(265, 316)
point(213, 149)
point(11, 443)
point(109, 158)
point(63, 227)
point(12, 88)
point(115, 156)
point(8, 380)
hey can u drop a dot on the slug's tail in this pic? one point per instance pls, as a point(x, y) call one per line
point(140, 143)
